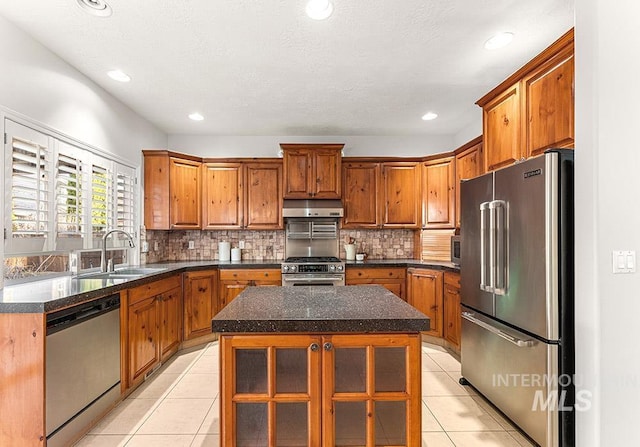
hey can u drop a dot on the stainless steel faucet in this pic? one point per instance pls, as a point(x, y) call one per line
point(103, 255)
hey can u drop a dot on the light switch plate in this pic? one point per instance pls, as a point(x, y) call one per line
point(191, 245)
point(623, 261)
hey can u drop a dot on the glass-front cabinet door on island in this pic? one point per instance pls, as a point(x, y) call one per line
point(311, 390)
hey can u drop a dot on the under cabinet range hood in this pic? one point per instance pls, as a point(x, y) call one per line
point(312, 208)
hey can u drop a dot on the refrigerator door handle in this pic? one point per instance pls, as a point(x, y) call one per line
point(500, 273)
point(510, 338)
point(485, 247)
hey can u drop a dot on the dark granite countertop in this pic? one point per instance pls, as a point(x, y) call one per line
point(362, 309)
point(47, 295)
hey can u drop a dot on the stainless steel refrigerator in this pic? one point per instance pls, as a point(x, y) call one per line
point(517, 293)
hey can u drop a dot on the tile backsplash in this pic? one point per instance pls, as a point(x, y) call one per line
point(266, 245)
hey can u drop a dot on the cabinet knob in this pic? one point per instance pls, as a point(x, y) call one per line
point(314, 347)
point(327, 346)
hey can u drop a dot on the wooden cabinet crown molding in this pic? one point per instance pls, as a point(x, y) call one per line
point(566, 40)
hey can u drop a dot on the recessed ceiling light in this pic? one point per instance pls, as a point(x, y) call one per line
point(429, 116)
point(498, 41)
point(196, 116)
point(119, 75)
point(98, 8)
point(319, 9)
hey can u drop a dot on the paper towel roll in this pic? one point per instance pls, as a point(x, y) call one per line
point(351, 251)
point(224, 251)
point(236, 254)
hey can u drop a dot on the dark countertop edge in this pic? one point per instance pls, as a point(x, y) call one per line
point(175, 268)
point(333, 326)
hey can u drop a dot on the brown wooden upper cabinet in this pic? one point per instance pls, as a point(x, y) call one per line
point(172, 191)
point(381, 194)
point(222, 206)
point(401, 191)
point(360, 184)
point(438, 199)
point(242, 195)
point(532, 110)
point(468, 165)
point(312, 171)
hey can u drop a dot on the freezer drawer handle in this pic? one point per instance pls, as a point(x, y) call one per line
point(510, 338)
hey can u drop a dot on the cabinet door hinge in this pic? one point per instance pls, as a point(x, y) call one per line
point(5, 138)
point(5, 234)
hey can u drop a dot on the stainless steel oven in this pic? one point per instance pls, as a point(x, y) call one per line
point(313, 271)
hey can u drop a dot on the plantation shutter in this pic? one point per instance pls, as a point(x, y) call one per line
point(125, 198)
point(70, 209)
point(27, 189)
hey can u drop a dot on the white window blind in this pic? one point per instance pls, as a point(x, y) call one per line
point(28, 160)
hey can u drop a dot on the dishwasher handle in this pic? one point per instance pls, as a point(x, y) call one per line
point(66, 318)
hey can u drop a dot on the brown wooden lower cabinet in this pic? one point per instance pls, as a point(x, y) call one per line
point(200, 302)
point(153, 322)
point(234, 281)
point(452, 318)
point(320, 389)
point(425, 294)
point(392, 279)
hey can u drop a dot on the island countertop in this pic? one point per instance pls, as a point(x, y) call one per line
point(313, 309)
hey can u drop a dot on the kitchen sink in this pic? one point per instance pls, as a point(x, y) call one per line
point(125, 273)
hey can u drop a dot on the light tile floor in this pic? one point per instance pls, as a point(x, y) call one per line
point(178, 406)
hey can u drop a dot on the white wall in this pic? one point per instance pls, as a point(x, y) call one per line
point(607, 218)
point(268, 146)
point(38, 84)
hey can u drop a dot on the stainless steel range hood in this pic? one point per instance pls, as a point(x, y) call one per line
point(312, 208)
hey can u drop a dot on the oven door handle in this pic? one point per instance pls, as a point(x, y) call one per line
point(314, 279)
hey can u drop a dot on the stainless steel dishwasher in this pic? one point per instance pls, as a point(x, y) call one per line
point(82, 366)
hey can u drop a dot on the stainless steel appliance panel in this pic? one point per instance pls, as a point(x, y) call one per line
point(518, 379)
point(82, 363)
point(525, 249)
point(474, 192)
point(314, 279)
point(311, 237)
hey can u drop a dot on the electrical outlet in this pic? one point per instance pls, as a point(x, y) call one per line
point(192, 245)
point(145, 247)
point(156, 246)
point(241, 245)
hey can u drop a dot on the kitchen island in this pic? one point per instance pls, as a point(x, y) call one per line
point(320, 366)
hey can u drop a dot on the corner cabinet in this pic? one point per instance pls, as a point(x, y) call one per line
point(200, 302)
point(154, 315)
point(438, 198)
point(424, 287)
point(533, 109)
point(312, 171)
point(320, 390)
point(172, 191)
point(468, 166)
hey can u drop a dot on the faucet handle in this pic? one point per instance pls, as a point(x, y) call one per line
point(110, 265)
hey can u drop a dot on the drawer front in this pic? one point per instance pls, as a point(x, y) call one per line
point(139, 293)
point(249, 275)
point(452, 279)
point(375, 273)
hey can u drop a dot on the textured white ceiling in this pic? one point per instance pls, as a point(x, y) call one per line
point(261, 67)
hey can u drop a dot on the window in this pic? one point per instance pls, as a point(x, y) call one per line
point(61, 197)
